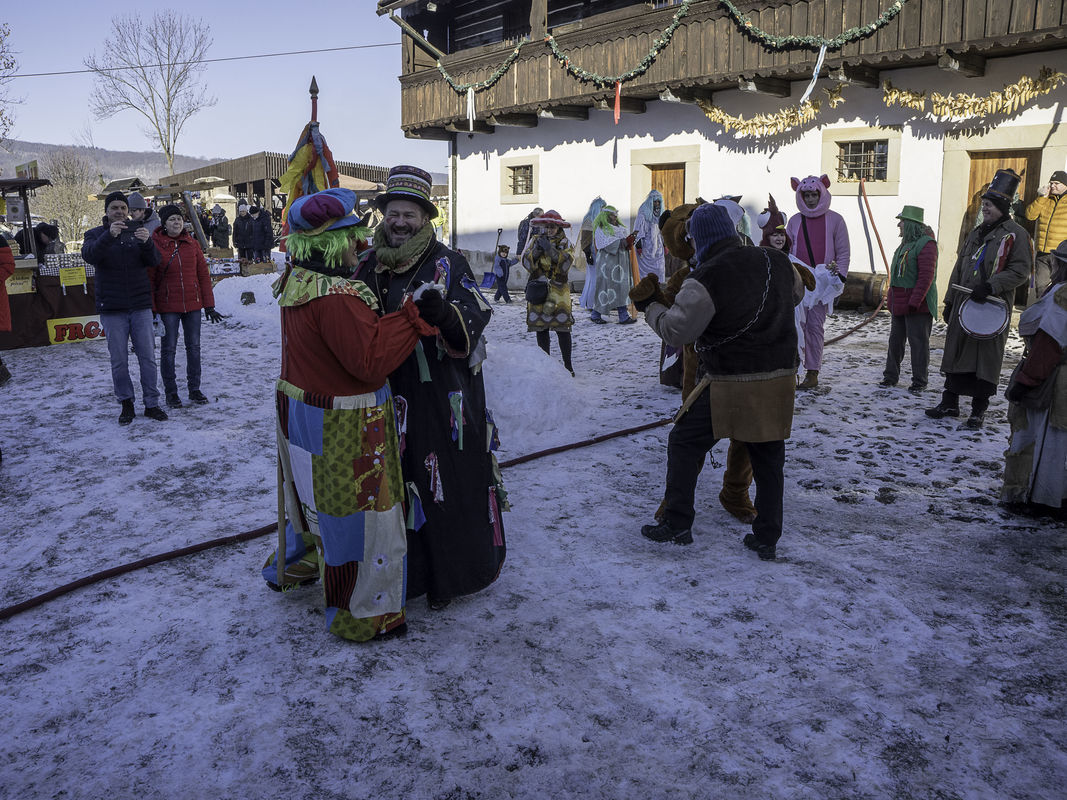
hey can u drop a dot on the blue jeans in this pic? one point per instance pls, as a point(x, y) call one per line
point(121, 327)
point(190, 322)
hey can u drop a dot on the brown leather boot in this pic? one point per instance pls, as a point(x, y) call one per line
point(811, 380)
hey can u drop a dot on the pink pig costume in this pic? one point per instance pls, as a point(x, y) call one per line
point(824, 230)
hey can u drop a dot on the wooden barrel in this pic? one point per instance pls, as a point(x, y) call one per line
point(863, 290)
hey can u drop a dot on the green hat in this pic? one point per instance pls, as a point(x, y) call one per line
point(912, 214)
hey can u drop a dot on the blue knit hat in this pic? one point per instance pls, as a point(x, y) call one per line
point(709, 224)
point(323, 211)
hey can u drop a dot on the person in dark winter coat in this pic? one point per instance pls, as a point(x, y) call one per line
point(7, 269)
point(181, 288)
point(242, 232)
point(993, 261)
point(122, 252)
point(220, 228)
point(447, 435)
point(502, 270)
point(912, 299)
point(737, 306)
point(262, 234)
point(140, 212)
point(523, 234)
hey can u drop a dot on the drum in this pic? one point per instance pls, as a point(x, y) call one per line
point(984, 320)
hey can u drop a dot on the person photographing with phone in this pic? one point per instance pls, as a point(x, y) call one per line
point(122, 252)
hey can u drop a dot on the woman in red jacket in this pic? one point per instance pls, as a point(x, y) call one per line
point(181, 286)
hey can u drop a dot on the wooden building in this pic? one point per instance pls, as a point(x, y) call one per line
point(255, 177)
point(924, 101)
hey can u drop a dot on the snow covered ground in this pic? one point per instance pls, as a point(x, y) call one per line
point(908, 642)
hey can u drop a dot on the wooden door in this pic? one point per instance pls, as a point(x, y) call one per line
point(984, 165)
point(669, 181)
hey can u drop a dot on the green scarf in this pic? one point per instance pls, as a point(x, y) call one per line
point(401, 259)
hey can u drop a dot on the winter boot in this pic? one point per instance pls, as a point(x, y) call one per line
point(173, 400)
point(5, 374)
point(126, 416)
point(811, 380)
point(156, 413)
point(766, 552)
point(663, 532)
point(948, 407)
point(198, 397)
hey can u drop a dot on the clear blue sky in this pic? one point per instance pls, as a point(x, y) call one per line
point(262, 103)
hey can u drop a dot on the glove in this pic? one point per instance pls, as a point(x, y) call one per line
point(212, 315)
point(630, 239)
point(674, 285)
point(1016, 392)
point(433, 308)
point(588, 254)
point(980, 293)
point(646, 292)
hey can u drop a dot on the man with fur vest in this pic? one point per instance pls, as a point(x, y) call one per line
point(181, 287)
point(737, 308)
point(820, 240)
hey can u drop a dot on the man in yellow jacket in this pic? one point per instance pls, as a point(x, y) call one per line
point(1050, 211)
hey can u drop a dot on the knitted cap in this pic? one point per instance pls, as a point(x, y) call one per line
point(408, 183)
point(168, 211)
point(710, 223)
point(1059, 176)
point(1061, 251)
point(323, 211)
point(115, 196)
point(243, 204)
point(136, 200)
point(217, 209)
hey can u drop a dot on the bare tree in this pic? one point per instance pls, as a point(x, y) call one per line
point(155, 69)
point(8, 65)
point(69, 199)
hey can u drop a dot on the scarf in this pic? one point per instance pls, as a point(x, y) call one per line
point(401, 259)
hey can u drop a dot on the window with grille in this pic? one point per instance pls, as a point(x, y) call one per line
point(522, 179)
point(863, 160)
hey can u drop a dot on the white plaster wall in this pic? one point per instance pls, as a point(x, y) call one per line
point(581, 159)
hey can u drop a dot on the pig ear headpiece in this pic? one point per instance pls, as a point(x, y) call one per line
point(794, 183)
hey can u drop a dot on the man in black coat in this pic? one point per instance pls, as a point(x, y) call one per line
point(122, 252)
point(262, 234)
point(242, 232)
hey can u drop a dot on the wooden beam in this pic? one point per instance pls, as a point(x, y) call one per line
point(417, 37)
point(564, 112)
point(627, 105)
point(538, 20)
point(856, 76)
point(683, 94)
point(772, 86)
point(462, 126)
point(435, 134)
point(514, 120)
point(970, 65)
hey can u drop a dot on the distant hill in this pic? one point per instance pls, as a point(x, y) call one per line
point(147, 166)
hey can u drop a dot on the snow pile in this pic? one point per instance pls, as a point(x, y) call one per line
point(907, 643)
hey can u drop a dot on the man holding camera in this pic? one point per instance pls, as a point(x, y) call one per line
point(122, 252)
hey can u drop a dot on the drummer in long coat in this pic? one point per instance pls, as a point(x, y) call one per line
point(994, 259)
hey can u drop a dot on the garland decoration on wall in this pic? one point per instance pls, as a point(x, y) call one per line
point(895, 96)
point(772, 42)
point(769, 124)
point(600, 81)
point(1006, 101)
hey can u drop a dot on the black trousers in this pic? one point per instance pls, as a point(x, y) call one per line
point(688, 446)
point(916, 329)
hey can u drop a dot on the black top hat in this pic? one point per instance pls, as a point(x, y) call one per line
point(1002, 187)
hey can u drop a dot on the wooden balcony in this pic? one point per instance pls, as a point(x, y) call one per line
point(709, 53)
